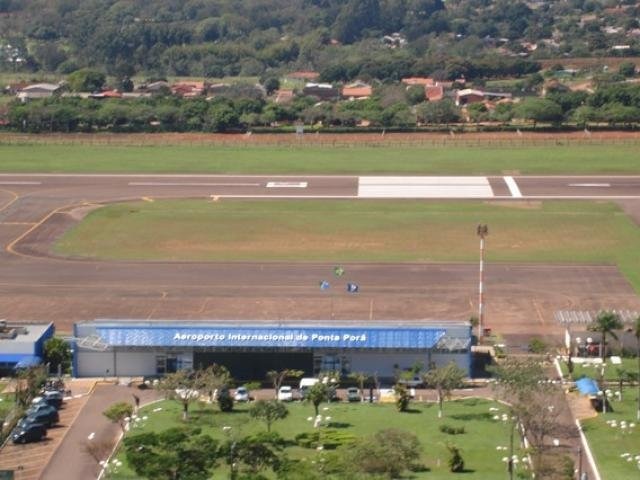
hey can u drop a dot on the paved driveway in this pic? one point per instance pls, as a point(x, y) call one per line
point(71, 461)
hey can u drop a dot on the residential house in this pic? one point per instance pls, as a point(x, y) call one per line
point(434, 93)
point(356, 91)
point(469, 95)
point(188, 89)
point(322, 91)
point(38, 90)
point(284, 96)
point(425, 81)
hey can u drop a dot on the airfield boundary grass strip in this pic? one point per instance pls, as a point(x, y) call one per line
point(610, 443)
point(364, 230)
point(290, 159)
point(478, 444)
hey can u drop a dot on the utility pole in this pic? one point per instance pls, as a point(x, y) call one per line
point(482, 231)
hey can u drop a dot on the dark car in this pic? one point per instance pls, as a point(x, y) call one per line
point(40, 407)
point(47, 418)
point(33, 432)
point(52, 398)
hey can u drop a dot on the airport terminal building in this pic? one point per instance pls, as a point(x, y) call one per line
point(250, 349)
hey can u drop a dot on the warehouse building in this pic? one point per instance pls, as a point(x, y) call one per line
point(22, 345)
point(249, 350)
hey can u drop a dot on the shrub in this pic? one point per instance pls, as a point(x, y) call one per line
point(329, 439)
point(449, 430)
point(225, 401)
point(456, 463)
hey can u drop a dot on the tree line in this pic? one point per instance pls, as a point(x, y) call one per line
point(216, 38)
point(391, 106)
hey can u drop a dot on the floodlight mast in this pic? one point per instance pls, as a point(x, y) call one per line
point(482, 231)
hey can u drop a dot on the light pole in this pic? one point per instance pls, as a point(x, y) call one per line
point(482, 231)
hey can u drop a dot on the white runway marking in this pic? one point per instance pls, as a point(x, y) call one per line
point(286, 184)
point(20, 183)
point(424, 187)
point(190, 184)
point(513, 187)
point(589, 184)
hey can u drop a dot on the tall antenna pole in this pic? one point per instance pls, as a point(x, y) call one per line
point(482, 231)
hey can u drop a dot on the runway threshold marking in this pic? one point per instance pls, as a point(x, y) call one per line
point(513, 187)
point(190, 184)
point(424, 187)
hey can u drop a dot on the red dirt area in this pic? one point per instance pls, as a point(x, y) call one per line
point(329, 139)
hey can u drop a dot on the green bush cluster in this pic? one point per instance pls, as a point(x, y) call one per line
point(330, 439)
point(450, 430)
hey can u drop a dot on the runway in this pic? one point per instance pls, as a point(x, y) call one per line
point(519, 297)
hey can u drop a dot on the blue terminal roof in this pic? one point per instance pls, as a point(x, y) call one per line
point(269, 336)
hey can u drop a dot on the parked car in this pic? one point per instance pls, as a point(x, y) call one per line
point(415, 381)
point(285, 394)
point(51, 398)
point(46, 417)
point(40, 407)
point(353, 394)
point(305, 385)
point(33, 432)
point(241, 395)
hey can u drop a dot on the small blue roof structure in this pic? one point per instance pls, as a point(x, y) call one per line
point(587, 386)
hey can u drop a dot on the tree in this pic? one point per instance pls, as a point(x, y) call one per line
point(415, 94)
point(388, 452)
point(606, 323)
point(86, 80)
point(402, 397)
point(182, 386)
point(175, 453)
point(254, 453)
point(57, 354)
point(354, 17)
point(268, 411)
point(225, 400)
point(444, 380)
point(627, 69)
point(456, 463)
point(29, 382)
point(119, 413)
point(317, 394)
point(271, 84)
point(539, 110)
point(213, 378)
point(360, 378)
point(277, 377)
point(442, 112)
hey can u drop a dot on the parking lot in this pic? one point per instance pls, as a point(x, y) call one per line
point(29, 461)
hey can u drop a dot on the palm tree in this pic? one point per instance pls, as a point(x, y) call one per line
point(606, 323)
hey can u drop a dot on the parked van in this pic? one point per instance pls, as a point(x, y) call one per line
point(305, 385)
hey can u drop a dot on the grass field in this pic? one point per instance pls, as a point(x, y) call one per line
point(478, 444)
point(551, 159)
point(609, 443)
point(594, 371)
point(341, 230)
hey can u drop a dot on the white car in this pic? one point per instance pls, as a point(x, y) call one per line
point(241, 395)
point(285, 394)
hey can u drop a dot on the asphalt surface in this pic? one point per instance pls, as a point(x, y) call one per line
point(34, 209)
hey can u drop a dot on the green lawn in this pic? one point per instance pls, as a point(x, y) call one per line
point(594, 371)
point(549, 159)
point(364, 230)
point(609, 443)
point(478, 444)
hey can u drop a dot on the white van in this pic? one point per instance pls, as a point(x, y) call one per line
point(305, 385)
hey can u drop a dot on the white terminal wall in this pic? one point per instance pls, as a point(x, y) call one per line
point(138, 363)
